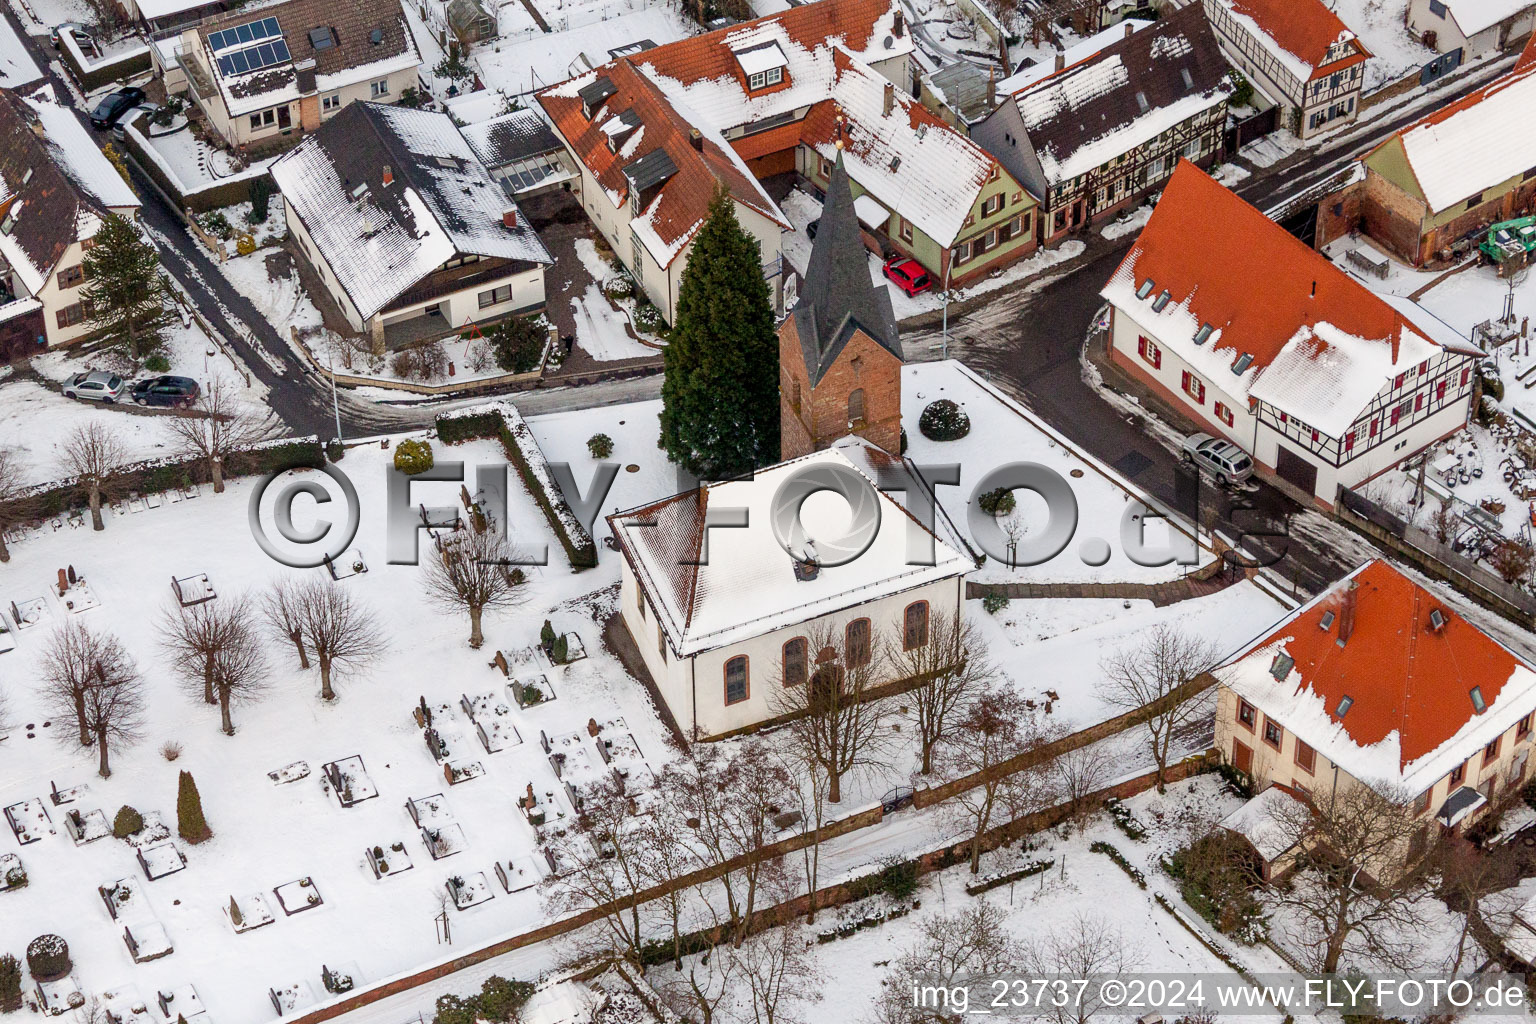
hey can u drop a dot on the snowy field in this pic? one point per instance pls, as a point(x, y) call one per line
point(1003, 433)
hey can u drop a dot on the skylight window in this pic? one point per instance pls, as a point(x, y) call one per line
point(1282, 666)
point(1243, 362)
point(1161, 300)
point(360, 191)
point(322, 38)
point(1327, 620)
point(1141, 101)
point(1478, 704)
point(1437, 619)
point(1189, 83)
point(1345, 703)
point(1203, 334)
point(895, 162)
point(1145, 289)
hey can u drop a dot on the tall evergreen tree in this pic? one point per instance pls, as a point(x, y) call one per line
point(720, 398)
point(123, 296)
point(190, 823)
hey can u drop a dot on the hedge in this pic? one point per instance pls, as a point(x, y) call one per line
point(502, 421)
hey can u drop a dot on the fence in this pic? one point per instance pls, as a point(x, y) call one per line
point(1438, 559)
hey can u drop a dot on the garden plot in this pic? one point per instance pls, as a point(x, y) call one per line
point(29, 821)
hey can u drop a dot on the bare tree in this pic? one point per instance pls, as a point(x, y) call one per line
point(343, 633)
point(996, 728)
point(92, 453)
point(1154, 673)
point(472, 571)
point(955, 667)
point(216, 648)
point(1354, 890)
point(91, 683)
point(1082, 948)
point(834, 716)
point(222, 427)
point(667, 858)
point(11, 489)
point(808, 788)
point(281, 607)
point(778, 975)
point(951, 948)
point(1471, 883)
point(1081, 774)
point(701, 989)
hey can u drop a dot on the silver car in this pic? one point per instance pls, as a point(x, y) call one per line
point(97, 386)
point(1229, 463)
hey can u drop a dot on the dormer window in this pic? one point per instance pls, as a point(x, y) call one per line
point(762, 65)
point(1161, 301)
point(763, 79)
point(1203, 334)
point(1145, 289)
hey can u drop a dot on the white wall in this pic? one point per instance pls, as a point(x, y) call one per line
point(462, 306)
point(1124, 332)
point(55, 298)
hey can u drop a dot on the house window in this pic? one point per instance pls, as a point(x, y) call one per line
point(914, 632)
point(1273, 734)
point(1246, 714)
point(640, 604)
point(796, 399)
point(736, 689)
point(1018, 197)
point(963, 252)
point(823, 167)
point(1306, 757)
point(1491, 751)
point(1422, 804)
point(330, 104)
point(991, 205)
point(71, 276)
point(495, 296)
point(1437, 8)
point(1524, 728)
point(262, 119)
point(795, 667)
point(855, 406)
point(1148, 350)
point(1194, 387)
point(856, 643)
point(1458, 774)
point(763, 79)
point(1025, 222)
point(71, 314)
point(906, 230)
point(1223, 413)
point(379, 88)
point(1474, 200)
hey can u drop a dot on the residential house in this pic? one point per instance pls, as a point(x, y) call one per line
point(777, 96)
point(1381, 681)
point(1299, 54)
point(522, 152)
point(1098, 136)
point(725, 618)
point(1432, 188)
point(1247, 332)
point(1475, 27)
point(161, 19)
point(282, 70)
point(839, 351)
point(55, 189)
point(405, 227)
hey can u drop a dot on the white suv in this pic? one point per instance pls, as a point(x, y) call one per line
point(1227, 461)
point(96, 385)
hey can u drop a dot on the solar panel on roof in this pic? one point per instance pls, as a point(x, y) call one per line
point(244, 32)
point(250, 32)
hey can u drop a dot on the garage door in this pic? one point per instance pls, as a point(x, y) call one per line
point(1297, 470)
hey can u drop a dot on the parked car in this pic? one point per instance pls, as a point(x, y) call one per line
point(96, 385)
point(120, 130)
point(112, 108)
point(165, 391)
point(82, 35)
point(908, 275)
point(1229, 463)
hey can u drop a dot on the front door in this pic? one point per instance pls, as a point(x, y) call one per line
point(284, 117)
point(1242, 757)
point(1296, 470)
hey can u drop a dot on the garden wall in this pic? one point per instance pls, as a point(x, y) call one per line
point(192, 199)
point(92, 75)
point(502, 421)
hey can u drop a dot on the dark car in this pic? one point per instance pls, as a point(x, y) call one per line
point(111, 109)
point(166, 391)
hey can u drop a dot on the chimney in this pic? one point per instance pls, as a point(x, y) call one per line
point(1061, 61)
point(696, 139)
point(1347, 612)
point(898, 27)
point(890, 97)
point(389, 175)
point(509, 218)
point(1130, 27)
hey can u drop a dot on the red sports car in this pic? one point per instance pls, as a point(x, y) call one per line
point(908, 275)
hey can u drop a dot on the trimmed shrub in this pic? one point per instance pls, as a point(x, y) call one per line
point(560, 651)
point(48, 958)
point(128, 822)
point(998, 502)
point(157, 363)
point(245, 245)
point(547, 637)
point(10, 984)
point(190, 823)
point(518, 343)
point(943, 420)
point(994, 602)
point(262, 189)
point(413, 456)
point(648, 319)
point(499, 1001)
point(903, 441)
point(600, 445)
point(619, 286)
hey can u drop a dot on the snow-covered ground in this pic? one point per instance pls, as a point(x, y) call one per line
point(1003, 433)
point(39, 16)
point(1382, 28)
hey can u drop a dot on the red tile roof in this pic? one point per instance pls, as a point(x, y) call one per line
point(1404, 675)
point(1305, 28)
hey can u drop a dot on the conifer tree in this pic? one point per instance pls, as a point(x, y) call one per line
point(720, 398)
point(190, 822)
point(123, 296)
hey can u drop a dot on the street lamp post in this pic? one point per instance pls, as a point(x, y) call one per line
point(947, 263)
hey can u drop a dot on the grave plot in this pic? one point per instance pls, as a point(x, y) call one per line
point(66, 796)
point(122, 898)
point(86, 827)
point(341, 978)
point(569, 855)
point(571, 758)
point(541, 808)
point(297, 896)
point(160, 860)
point(181, 1002)
point(60, 995)
point(531, 690)
point(75, 594)
point(429, 810)
point(191, 590)
point(522, 872)
point(29, 612)
point(7, 638)
point(290, 773)
point(575, 650)
point(444, 840)
point(29, 821)
point(288, 999)
point(493, 721)
point(349, 780)
point(470, 890)
point(388, 860)
point(620, 752)
point(12, 874)
point(146, 940)
point(247, 913)
point(455, 772)
point(348, 565)
point(123, 1004)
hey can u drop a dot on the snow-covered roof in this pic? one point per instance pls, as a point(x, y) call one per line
point(151, 9)
point(1411, 715)
point(563, 1002)
point(1287, 327)
point(1299, 34)
point(512, 136)
point(380, 238)
point(748, 585)
point(1473, 16)
point(1123, 95)
point(1475, 143)
point(1072, 55)
point(17, 68)
point(78, 156)
point(1263, 822)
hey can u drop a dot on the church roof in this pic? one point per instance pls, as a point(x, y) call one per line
point(838, 297)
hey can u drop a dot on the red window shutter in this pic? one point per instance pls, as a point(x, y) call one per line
point(1349, 441)
point(1399, 381)
point(1375, 424)
point(1141, 345)
point(1397, 412)
point(1466, 372)
point(1184, 382)
point(1285, 417)
point(1314, 436)
point(1423, 367)
point(1418, 403)
point(1440, 392)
